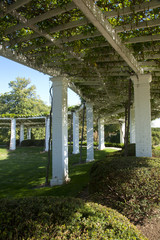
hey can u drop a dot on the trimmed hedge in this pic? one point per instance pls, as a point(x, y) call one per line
point(128, 184)
point(107, 144)
point(31, 142)
point(62, 218)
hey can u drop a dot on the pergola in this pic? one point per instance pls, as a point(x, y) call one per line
point(95, 48)
point(28, 122)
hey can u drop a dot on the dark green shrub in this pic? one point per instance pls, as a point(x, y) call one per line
point(31, 142)
point(129, 185)
point(118, 145)
point(155, 136)
point(62, 218)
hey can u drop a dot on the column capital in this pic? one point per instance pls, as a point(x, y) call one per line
point(141, 79)
point(89, 104)
point(59, 80)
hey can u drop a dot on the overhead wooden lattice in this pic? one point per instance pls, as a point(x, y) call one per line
point(98, 45)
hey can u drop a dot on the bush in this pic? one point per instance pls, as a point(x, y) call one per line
point(155, 136)
point(62, 218)
point(129, 185)
point(118, 145)
point(36, 143)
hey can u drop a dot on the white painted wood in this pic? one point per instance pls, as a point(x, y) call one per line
point(98, 19)
point(47, 133)
point(101, 144)
point(21, 133)
point(142, 115)
point(122, 131)
point(59, 132)
point(13, 134)
point(132, 125)
point(28, 133)
point(75, 132)
point(90, 148)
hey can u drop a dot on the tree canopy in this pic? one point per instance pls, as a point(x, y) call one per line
point(22, 99)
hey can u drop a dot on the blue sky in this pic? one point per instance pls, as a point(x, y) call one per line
point(10, 70)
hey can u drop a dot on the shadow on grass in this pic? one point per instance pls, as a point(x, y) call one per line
point(23, 171)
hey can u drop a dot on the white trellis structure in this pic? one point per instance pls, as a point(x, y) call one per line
point(95, 57)
point(28, 123)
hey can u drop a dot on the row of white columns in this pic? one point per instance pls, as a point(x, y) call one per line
point(141, 126)
point(13, 134)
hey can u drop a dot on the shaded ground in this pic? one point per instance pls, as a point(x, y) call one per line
point(151, 227)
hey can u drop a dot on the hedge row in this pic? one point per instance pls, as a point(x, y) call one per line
point(62, 218)
point(36, 143)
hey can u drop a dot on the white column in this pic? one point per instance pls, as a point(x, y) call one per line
point(21, 133)
point(47, 133)
point(13, 134)
point(75, 133)
point(132, 125)
point(122, 131)
point(142, 115)
point(28, 133)
point(101, 144)
point(59, 132)
point(90, 149)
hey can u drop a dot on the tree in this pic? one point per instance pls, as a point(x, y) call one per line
point(22, 99)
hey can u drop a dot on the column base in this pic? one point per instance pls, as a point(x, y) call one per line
point(101, 148)
point(76, 152)
point(57, 182)
point(90, 160)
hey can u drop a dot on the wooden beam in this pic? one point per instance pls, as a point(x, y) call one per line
point(69, 25)
point(97, 18)
point(139, 25)
point(149, 63)
point(42, 17)
point(135, 9)
point(150, 38)
point(63, 40)
point(19, 58)
point(13, 6)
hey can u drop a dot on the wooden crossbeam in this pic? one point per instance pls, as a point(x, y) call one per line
point(149, 63)
point(135, 9)
point(60, 41)
point(13, 6)
point(42, 17)
point(69, 25)
point(97, 18)
point(150, 38)
point(19, 58)
point(139, 25)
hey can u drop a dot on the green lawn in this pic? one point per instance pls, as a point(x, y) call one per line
point(23, 171)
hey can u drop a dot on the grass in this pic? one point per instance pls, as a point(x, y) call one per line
point(23, 171)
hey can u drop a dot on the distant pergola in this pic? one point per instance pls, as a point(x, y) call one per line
point(95, 48)
point(25, 122)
